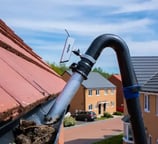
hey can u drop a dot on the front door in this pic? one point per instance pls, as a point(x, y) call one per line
point(99, 109)
point(104, 107)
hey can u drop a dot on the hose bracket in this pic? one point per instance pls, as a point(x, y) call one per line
point(131, 92)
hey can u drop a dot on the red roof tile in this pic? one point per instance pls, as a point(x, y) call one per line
point(8, 37)
point(7, 106)
point(25, 80)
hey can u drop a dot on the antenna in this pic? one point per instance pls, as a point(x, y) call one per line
point(66, 53)
point(67, 32)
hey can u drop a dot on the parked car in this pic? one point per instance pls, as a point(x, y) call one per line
point(85, 116)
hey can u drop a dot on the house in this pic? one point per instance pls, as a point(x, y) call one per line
point(117, 81)
point(25, 80)
point(146, 69)
point(95, 94)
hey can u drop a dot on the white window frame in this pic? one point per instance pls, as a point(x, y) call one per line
point(107, 104)
point(147, 102)
point(127, 135)
point(112, 91)
point(97, 92)
point(149, 139)
point(112, 103)
point(90, 92)
point(90, 107)
point(105, 91)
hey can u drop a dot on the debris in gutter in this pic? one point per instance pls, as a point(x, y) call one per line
point(28, 132)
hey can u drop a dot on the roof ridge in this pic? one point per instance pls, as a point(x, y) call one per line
point(9, 33)
point(5, 30)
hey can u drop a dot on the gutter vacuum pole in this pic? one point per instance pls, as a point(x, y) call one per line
point(130, 86)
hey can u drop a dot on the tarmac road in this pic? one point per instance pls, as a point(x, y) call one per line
point(91, 132)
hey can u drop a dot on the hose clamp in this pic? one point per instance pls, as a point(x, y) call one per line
point(131, 92)
point(91, 59)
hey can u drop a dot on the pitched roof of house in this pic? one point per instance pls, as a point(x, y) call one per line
point(151, 85)
point(96, 80)
point(25, 80)
point(146, 69)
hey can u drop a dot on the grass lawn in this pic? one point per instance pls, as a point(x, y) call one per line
point(113, 140)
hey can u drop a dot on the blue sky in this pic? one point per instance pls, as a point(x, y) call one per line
point(42, 24)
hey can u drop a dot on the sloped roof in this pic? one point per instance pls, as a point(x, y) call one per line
point(145, 68)
point(25, 80)
point(96, 80)
point(152, 84)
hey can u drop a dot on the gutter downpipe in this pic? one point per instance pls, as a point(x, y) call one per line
point(129, 81)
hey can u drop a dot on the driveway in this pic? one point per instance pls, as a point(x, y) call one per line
point(93, 131)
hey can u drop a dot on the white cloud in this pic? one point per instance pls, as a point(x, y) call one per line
point(143, 48)
point(84, 19)
point(138, 6)
point(83, 28)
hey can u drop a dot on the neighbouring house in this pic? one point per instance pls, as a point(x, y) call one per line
point(95, 94)
point(117, 81)
point(146, 69)
point(25, 80)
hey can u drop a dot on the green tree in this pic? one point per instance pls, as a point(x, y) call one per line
point(100, 70)
point(60, 69)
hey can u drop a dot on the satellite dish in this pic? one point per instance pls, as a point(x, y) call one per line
point(68, 47)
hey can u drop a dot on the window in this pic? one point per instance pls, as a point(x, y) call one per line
point(149, 139)
point(97, 92)
point(99, 109)
point(106, 92)
point(146, 103)
point(104, 107)
point(90, 107)
point(112, 91)
point(112, 104)
point(128, 137)
point(157, 105)
point(157, 141)
point(107, 104)
point(90, 92)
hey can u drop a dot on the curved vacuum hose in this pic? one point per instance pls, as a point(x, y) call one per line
point(130, 86)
